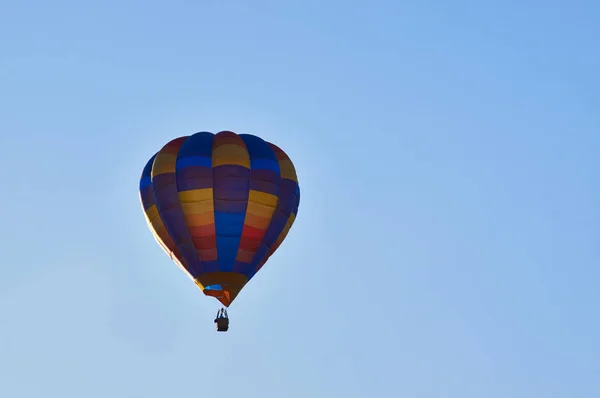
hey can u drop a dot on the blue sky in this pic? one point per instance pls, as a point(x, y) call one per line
point(447, 242)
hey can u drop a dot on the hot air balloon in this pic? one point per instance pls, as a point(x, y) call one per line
point(220, 205)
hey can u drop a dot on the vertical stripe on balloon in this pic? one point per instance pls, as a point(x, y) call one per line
point(155, 223)
point(195, 192)
point(231, 183)
point(166, 197)
point(262, 201)
point(289, 197)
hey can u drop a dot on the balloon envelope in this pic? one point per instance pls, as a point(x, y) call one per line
point(220, 205)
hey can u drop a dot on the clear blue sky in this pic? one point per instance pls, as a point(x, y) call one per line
point(448, 237)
